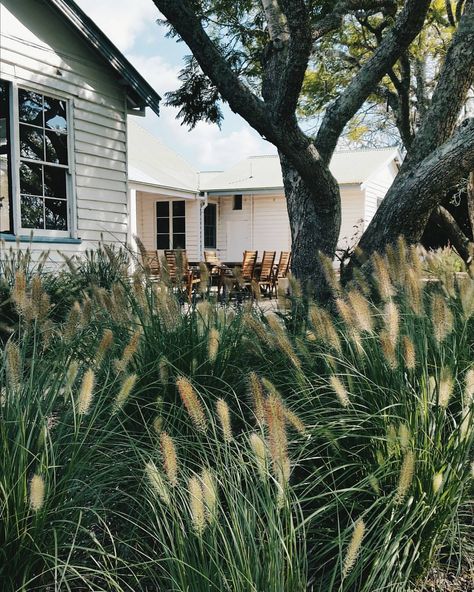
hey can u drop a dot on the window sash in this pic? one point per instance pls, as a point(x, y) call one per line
point(175, 237)
point(8, 154)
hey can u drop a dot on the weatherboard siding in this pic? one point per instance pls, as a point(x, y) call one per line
point(375, 189)
point(146, 221)
point(40, 52)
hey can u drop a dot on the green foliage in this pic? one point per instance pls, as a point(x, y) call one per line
point(147, 445)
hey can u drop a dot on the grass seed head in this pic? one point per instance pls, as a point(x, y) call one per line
point(223, 414)
point(354, 547)
point(388, 349)
point(257, 397)
point(37, 492)
point(158, 484)
point(260, 453)
point(213, 344)
point(196, 503)
point(442, 318)
point(392, 322)
point(295, 422)
point(277, 438)
point(409, 354)
point(446, 386)
point(363, 315)
point(170, 458)
point(86, 394)
point(469, 387)
point(192, 403)
point(209, 489)
point(437, 482)
point(406, 476)
point(382, 277)
point(13, 365)
point(125, 390)
point(104, 346)
point(340, 391)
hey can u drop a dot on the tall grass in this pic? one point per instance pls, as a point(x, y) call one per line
point(147, 445)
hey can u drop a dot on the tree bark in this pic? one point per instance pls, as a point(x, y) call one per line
point(459, 240)
point(415, 193)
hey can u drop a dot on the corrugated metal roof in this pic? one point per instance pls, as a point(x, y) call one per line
point(264, 172)
point(153, 163)
point(138, 89)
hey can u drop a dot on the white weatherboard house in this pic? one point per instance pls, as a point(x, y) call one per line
point(244, 207)
point(65, 92)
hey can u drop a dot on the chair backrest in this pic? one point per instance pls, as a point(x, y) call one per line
point(211, 258)
point(248, 264)
point(151, 262)
point(283, 264)
point(267, 265)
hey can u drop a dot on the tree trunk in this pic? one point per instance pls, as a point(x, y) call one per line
point(314, 229)
point(458, 239)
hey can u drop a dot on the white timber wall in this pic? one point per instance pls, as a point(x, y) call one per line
point(352, 214)
point(146, 221)
point(40, 52)
point(375, 189)
point(263, 223)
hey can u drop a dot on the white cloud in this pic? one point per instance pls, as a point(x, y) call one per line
point(162, 76)
point(121, 20)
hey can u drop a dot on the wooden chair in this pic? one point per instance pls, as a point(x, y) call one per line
point(282, 269)
point(265, 280)
point(151, 264)
point(179, 271)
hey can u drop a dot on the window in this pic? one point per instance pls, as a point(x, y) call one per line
point(6, 210)
point(170, 225)
point(35, 178)
point(44, 162)
point(237, 205)
point(210, 226)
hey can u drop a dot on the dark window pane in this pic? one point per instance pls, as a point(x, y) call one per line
point(179, 225)
point(55, 214)
point(237, 202)
point(163, 241)
point(5, 155)
point(162, 209)
point(56, 147)
point(210, 215)
point(30, 107)
point(54, 182)
point(179, 241)
point(162, 225)
point(55, 116)
point(209, 237)
point(178, 208)
point(31, 178)
point(31, 143)
point(32, 212)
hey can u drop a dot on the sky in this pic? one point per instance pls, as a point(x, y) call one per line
point(133, 28)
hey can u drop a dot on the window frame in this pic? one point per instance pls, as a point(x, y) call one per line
point(16, 160)
point(237, 198)
point(171, 217)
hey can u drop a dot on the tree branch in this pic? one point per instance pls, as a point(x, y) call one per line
point(456, 77)
point(394, 43)
point(458, 239)
point(415, 193)
point(241, 99)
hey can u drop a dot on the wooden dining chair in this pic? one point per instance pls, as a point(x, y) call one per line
point(282, 269)
point(265, 280)
point(179, 272)
point(151, 264)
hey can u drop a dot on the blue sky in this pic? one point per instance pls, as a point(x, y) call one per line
point(132, 27)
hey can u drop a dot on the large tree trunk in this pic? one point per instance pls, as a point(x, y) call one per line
point(314, 229)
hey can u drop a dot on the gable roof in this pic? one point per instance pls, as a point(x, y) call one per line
point(153, 163)
point(264, 172)
point(140, 94)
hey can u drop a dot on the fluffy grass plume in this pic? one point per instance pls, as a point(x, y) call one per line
point(353, 549)
point(213, 344)
point(192, 403)
point(409, 354)
point(392, 322)
point(437, 482)
point(157, 482)
point(13, 366)
point(388, 349)
point(277, 438)
point(125, 390)
point(442, 318)
point(363, 315)
point(37, 492)
point(170, 458)
point(129, 351)
point(257, 397)
point(196, 504)
point(406, 476)
point(209, 490)
point(104, 346)
point(223, 414)
point(446, 386)
point(340, 390)
point(260, 453)
point(86, 394)
point(382, 276)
